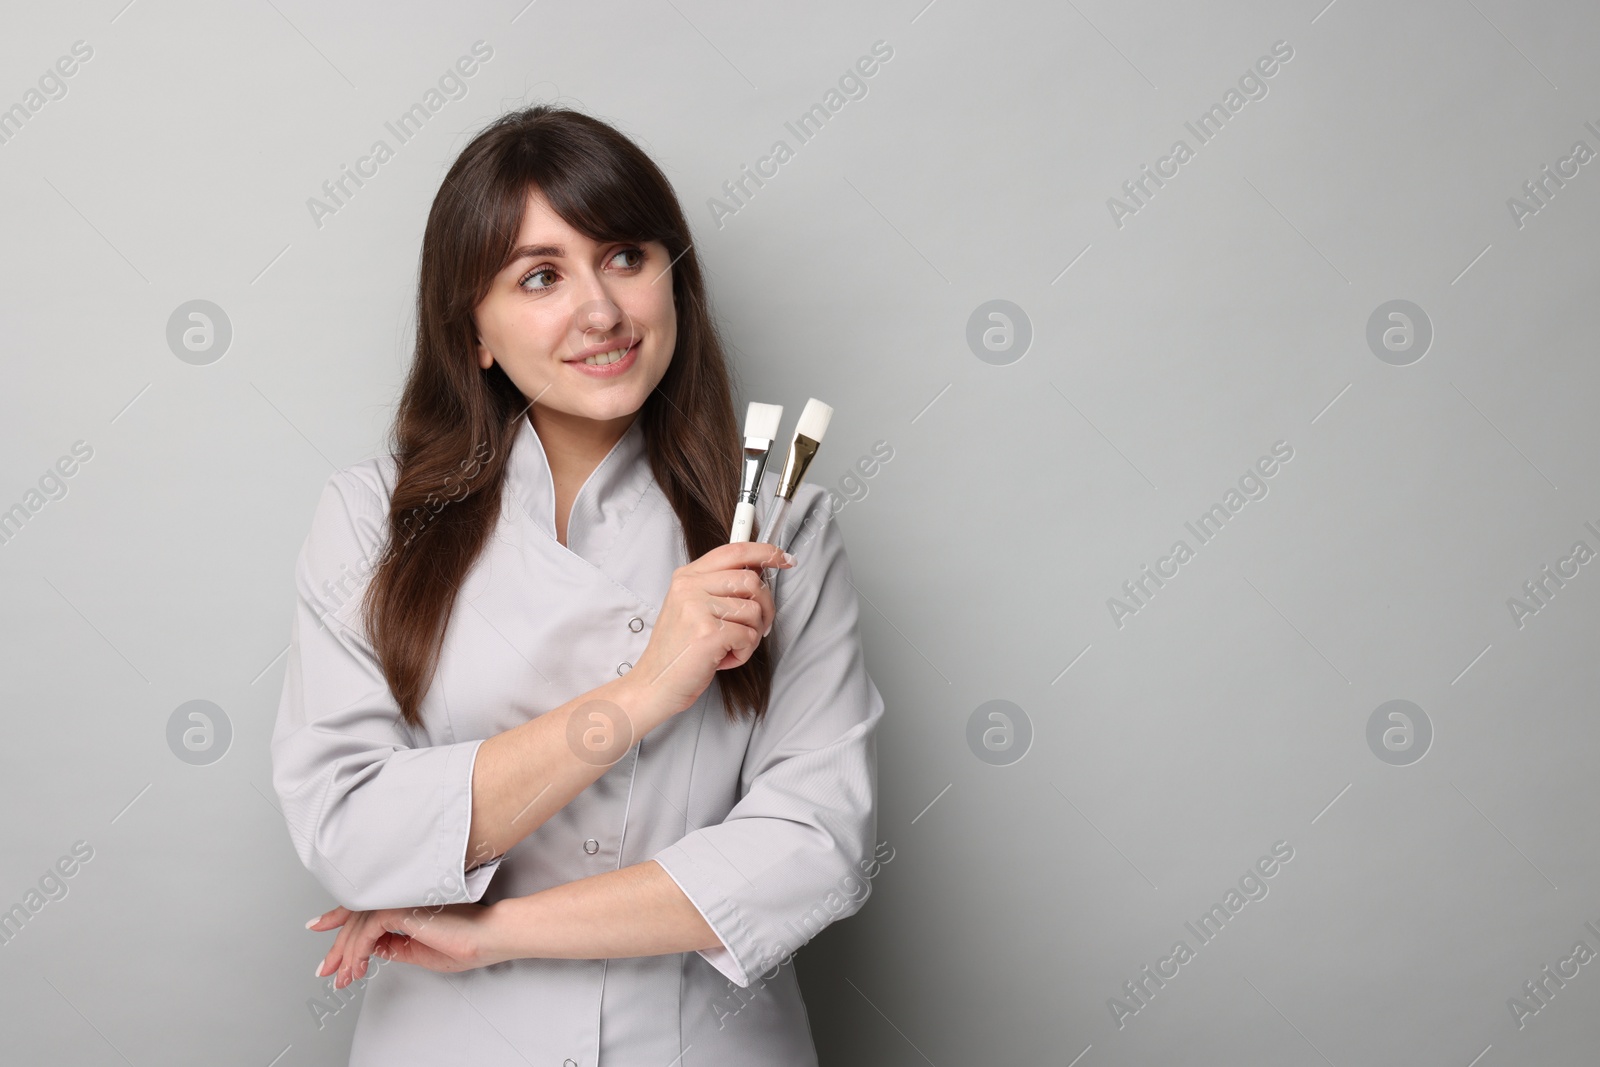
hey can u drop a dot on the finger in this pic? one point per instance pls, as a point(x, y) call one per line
point(764, 597)
point(772, 556)
point(736, 657)
point(359, 952)
point(329, 919)
point(334, 967)
point(737, 639)
point(769, 611)
point(393, 947)
point(335, 953)
point(737, 610)
point(751, 554)
point(349, 938)
point(742, 581)
point(360, 947)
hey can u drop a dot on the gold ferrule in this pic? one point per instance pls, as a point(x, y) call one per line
point(801, 453)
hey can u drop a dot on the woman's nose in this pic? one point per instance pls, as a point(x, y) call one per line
point(596, 315)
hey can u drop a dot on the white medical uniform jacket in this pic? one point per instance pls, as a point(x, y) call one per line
point(767, 827)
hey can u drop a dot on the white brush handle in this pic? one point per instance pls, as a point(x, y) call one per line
point(744, 518)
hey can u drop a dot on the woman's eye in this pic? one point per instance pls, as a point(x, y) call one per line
point(534, 274)
point(526, 278)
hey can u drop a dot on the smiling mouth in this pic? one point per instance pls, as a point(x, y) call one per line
point(606, 358)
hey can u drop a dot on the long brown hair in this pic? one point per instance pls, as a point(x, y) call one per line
point(456, 421)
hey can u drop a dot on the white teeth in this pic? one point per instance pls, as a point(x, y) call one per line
point(605, 357)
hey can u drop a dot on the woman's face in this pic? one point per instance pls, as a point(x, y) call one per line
point(564, 296)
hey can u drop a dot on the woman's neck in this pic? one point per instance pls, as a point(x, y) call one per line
point(574, 447)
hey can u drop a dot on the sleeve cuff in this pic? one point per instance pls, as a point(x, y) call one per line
point(720, 957)
point(478, 879)
point(474, 881)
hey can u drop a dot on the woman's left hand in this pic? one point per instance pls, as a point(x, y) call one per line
point(448, 937)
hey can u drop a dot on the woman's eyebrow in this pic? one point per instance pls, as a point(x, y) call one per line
point(534, 251)
point(538, 251)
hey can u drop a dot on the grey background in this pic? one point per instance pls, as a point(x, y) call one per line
point(1168, 354)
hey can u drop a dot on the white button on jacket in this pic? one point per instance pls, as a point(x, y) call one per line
point(767, 827)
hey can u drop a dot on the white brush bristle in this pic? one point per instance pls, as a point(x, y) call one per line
point(761, 420)
point(814, 420)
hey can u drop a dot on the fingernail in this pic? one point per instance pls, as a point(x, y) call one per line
point(313, 922)
point(788, 559)
point(320, 964)
point(767, 631)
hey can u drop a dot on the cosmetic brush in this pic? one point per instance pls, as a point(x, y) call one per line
point(802, 450)
point(760, 430)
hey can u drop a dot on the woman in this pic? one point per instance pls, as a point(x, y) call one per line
point(550, 742)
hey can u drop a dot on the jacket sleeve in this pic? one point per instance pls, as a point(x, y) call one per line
point(793, 854)
point(379, 821)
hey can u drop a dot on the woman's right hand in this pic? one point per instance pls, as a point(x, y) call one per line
point(716, 610)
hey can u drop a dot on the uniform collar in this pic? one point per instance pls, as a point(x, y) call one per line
point(605, 500)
